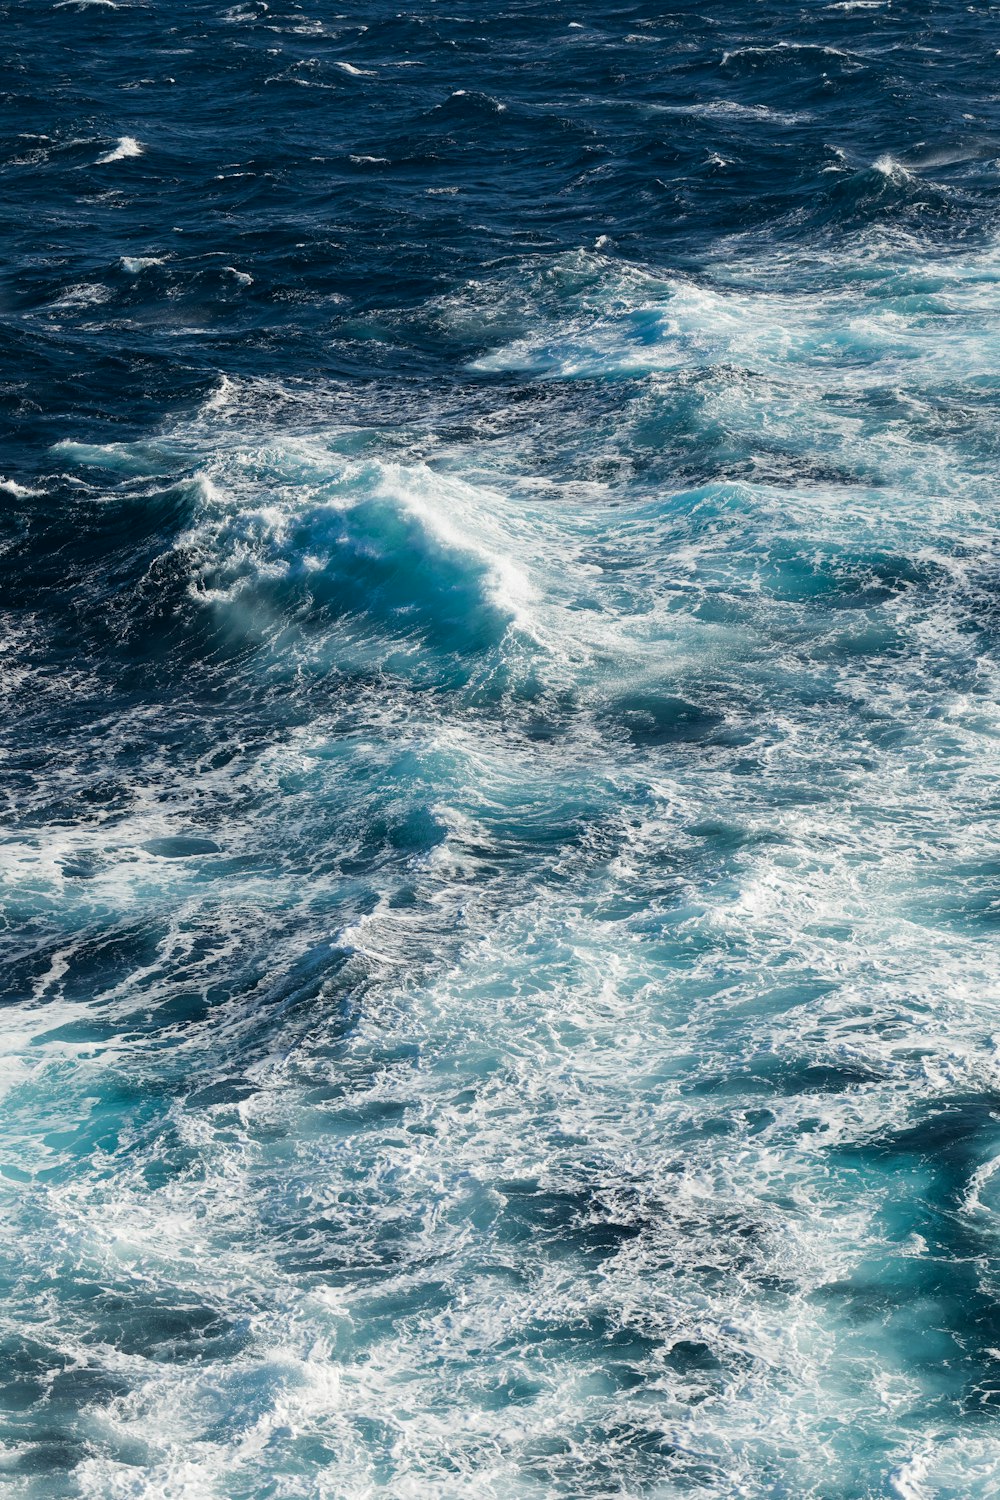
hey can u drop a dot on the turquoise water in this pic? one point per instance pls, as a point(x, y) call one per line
point(501, 881)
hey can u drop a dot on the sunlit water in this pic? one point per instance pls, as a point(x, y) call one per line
point(500, 877)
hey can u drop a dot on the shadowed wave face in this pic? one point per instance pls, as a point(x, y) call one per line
point(499, 574)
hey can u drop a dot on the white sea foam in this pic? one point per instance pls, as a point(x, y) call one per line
point(600, 1154)
point(888, 166)
point(730, 109)
point(127, 146)
point(86, 294)
point(221, 398)
point(135, 264)
point(782, 49)
point(460, 520)
point(19, 491)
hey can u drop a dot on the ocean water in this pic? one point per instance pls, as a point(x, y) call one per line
point(500, 592)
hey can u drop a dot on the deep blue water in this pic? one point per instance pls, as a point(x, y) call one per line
point(500, 591)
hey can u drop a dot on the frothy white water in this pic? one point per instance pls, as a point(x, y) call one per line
point(19, 491)
point(134, 264)
point(560, 1058)
point(127, 146)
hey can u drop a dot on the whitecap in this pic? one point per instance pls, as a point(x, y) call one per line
point(134, 264)
point(891, 167)
point(19, 491)
point(729, 108)
point(785, 48)
point(222, 398)
point(127, 146)
point(86, 294)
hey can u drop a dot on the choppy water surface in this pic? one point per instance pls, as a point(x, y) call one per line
point(500, 608)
